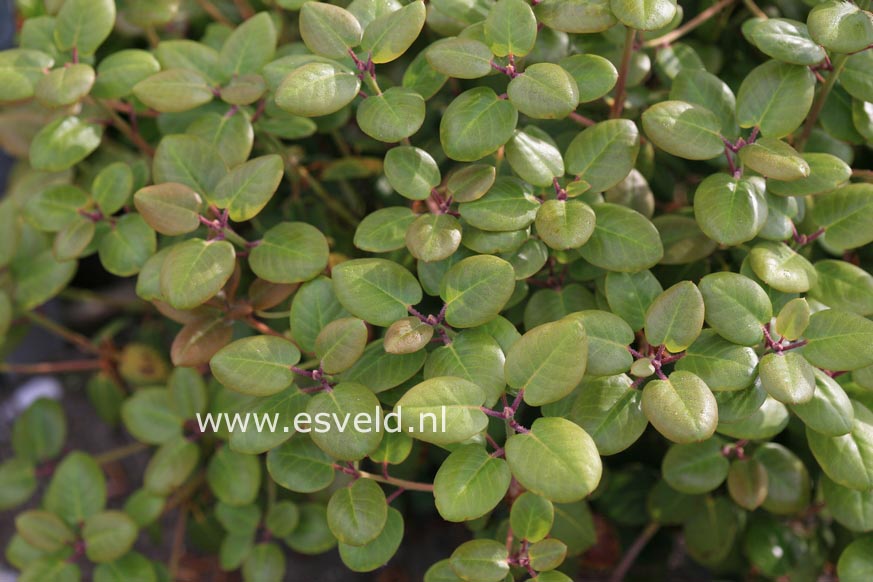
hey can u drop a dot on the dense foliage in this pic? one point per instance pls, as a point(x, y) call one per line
point(624, 243)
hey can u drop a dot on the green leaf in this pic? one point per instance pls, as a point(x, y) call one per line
point(595, 76)
point(17, 482)
point(785, 40)
point(290, 252)
point(546, 305)
point(576, 16)
point(20, 70)
point(736, 307)
point(189, 160)
point(675, 318)
point(684, 129)
point(508, 206)
point(378, 552)
point(793, 319)
point(112, 187)
point(43, 530)
point(313, 307)
point(747, 483)
point(257, 366)
point(462, 58)
point(855, 564)
point(40, 278)
point(317, 88)
point(856, 77)
point(171, 465)
point(476, 289)
point(844, 286)
point(328, 30)
point(775, 159)
point(131, 566)
point(565, 225)
point(422, 77)
point(847, 459)
point(346, 402)
point(169, 208)
point(433, 237)
point(247, 188)
point(108, 535)
point(546, 555)
point(119, 72)
point(55, 207)
point(730, 210)
point(195, 271)
point(65, 86)
point(38, 434)
point(481, 560)
point(782, 268)
point(644, 15)
point(473, 355)
point(829, 412)
point(544, 91)
point(682, 408)
point(556, 459)
point(381, 370)
point(188, 54)
point(604, 154)
point(127, 246)
point(63, 143)
point(723, 365)
point(391, 116)
point(299, 465)
point(249, 47)
point(470, 182)
point(844, 214)
point(548, 361)
point(384, 230)
point(476, 124)
point(623, 240)
point(767, 421)
point(840, 26)
point(511, 28)
point(470, 483)
point(407, 336)
point(442, 410)
point(787, 377)
point(232, 137)
point(340, 344)
point(533, 156)
point(84, 24)
point(287, 404)
point(531, 517)
point(312, 536)
point(695, 468)
point(705, 89)
point(174, 90)
point(266, 563)
point(826, 172)
point(375, 290)
point(838, 340)
point(776, 98)
point(234, 477)
point(629, 295)
point(77, 489)
point(608, 338)
point(711, 530)
point(411, 171)
point(609, 410)
point(390, 35)
point(851, 509)
point(149, 416)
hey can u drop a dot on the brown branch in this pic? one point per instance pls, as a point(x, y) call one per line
point(120, 453)
point(581, 119)
point(621, 84)
point(838, 63)
point(262, 327)
point(178, 548)
point(77, 339)
point(633, 552)
point(216, 14)
point(52, 367)
point(409, 485)
point(689, 26)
